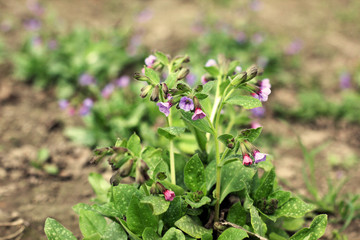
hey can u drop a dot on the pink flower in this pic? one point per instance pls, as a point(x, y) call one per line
point(255, 125)
point(211, 63)
point(259, 157)
point(264, 90)
point(199, 114)
point(150, 60)
point(169, 195)
point(204, 80)
point(247, 160)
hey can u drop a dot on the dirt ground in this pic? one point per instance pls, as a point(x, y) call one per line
point(30, 119)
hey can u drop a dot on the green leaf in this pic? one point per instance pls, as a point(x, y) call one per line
point(214, 71)
point(194, 174)
point(94, 236)
point(162, 58)
point(55, 231)
point(266, 186)
point(256, 222)
point(281, 196)
point(80, 206)
point(173, 234)
point(189, 226)
point(139, 216)
point(150, 234)
point(225, 138)
point(208, 86)
point(246, 102)
point(292, 224)
point(232, 67)
point(200, 124)
point(250, 134)
point(210, 175)
point(314, 232)
point(122, 195)
point(233, 234)
point(237, 214)
point(204, 200)
point(234, 177)
point(171, 80)
point(171, 132)
point(294, 208)
point(207, 236)
point(159, 204)
point(107, 209)
point(177, 189)
point(152, 75)
point(91, 223)
point(134, 145)
point(176, 210)
point(114, 231)
point(201, 96)
point(100, 186)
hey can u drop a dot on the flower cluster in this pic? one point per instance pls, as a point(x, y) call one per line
point(263, 91)
point(249, 150)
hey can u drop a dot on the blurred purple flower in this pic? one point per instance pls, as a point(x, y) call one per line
point(32, 24)
point(264, 90)
point(257, 38)
point(258, 112)
point(150, 60)
point(210, 63)
point(345, 80)
point(123, 81)
point(86, 79)
point(255, 5)
point(164, 107)
point(186, 104)
point(135, 42)
point(237, 69)
point(145, 15)
point(294, 47)
point(86, 107)
point(107, 90)
point(63, 104)
point(36, 41)
point(204, 80)
point(240, 37)
point(35, 7)
point(52, 44)
point(190, 78)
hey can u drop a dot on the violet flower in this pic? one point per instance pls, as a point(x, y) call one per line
point(86, 79)
point(52, 44)
point(150, 60)
point(107, 90)
point(294, 47)
point(190, 78)
point(240, 37)
point(210, 63)
point(63, 104)
point(169, 195)
point(86, 107)
point(264, 90)
point(258, 112)
point(123, 81)
point(145, 15)
point(164, 107)
point(247, 161)
point(186, 104)
point(198, 114)
point(345, 80)
point(32, 24)
point(258, 156)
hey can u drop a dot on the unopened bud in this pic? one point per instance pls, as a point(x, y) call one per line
point(165, 89)
point(182, 73)
point(251, 72)
point(239, 78)
point(160, 187)
point(126, 168)
point(161, 176)
point(199, 88)
point(143, 166)
point(155, 94)
point(230, 145)
point(119, 149)
point(145, 90)
point(183, 87)
point(115, 179)
point(140, 77)
point(141, 176)
point(101, 151)
point(196, 102)
point(154, 189)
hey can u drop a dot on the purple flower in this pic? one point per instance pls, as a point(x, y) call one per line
point(145, 15)
point(240, 37)
point(150, 60)
point(257, 38)
point(186, 104)
point(63, 104)
point(247, 160)
point(237, 69)
point(36, 41)
point(258, 112)
point(107, 90)
point(169, 195)
point(264, 90)
point(204, 80)
point(190, 78)
point(135, 42)
point(86, 107)
point(345, 80)
point(123, 81)
point(198, 114)
point(32, 24)
point(52, 44)
point(258, 156)
point(294, 47)
point(210, 63)
point(86, 79)
point(164, 107)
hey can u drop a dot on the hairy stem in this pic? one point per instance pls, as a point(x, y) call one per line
point(172, 156)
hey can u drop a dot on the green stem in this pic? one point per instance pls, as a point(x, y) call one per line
point(146, 191)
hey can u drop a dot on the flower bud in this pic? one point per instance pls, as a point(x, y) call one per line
point(169, 195)
point(141, 176)
point(182, 73)
point(115, 179)
point(155, 94)
point(143, 165)
point(183, 87)
point(199, 88)
point(119, 150)
point(165, 89)
point(145, 90)
point(230, 145)
point(140, 77)
point(196, 102)
point(251, 72)
point(126, 168)
point(239, 78)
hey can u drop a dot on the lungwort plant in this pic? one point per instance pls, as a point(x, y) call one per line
point(226, 189)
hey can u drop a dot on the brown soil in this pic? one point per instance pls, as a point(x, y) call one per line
point(30, 119)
